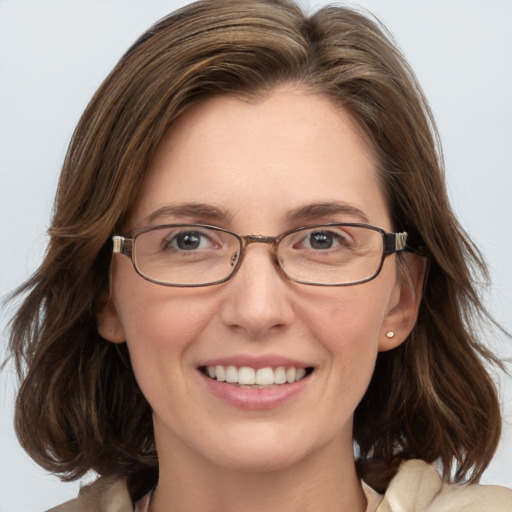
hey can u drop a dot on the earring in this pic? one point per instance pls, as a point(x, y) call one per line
point(390, 334)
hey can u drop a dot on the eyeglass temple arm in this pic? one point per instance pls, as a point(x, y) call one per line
point(404, 242)
point(395, 242)
point(122, 245)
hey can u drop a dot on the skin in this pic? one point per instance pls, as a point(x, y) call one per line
point(258, 161)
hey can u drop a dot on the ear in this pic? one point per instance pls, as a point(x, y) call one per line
point(405, 303)
point(108, 321)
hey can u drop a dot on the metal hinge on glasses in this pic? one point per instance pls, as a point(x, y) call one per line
point(400, 241)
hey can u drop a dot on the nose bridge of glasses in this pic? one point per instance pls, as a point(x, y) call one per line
point(261, 239)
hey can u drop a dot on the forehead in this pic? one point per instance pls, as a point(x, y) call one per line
point(262, 158)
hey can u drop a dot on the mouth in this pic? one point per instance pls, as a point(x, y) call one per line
point(256, 378)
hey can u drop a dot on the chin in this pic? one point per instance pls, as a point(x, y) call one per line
point(259, 451)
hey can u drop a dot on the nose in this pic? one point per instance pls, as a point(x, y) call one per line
point(258, 298)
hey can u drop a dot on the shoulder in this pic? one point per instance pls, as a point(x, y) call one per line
point(104, 495)
point(417, 487)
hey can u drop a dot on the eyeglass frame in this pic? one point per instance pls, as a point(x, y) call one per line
point(392, 243)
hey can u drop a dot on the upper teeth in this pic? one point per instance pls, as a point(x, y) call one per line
point(250, 376)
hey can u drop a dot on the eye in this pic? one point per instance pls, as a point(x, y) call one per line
point(188, 241)
point(319, 240)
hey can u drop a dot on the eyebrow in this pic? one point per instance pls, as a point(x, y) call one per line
point(318, 210)
point(211, 213)
point(195, 210)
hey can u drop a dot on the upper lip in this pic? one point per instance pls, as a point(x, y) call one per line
point(256, 362)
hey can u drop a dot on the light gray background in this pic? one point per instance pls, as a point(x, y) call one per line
point(54, 54)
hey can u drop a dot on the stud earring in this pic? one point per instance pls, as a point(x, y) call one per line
point(390, 334)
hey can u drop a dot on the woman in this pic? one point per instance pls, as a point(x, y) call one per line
point(252, 264)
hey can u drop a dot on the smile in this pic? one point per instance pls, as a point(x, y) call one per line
point(260, 378)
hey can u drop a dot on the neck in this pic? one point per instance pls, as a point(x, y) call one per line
point(325, 481)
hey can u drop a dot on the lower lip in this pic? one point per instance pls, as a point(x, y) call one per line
point(255, 399)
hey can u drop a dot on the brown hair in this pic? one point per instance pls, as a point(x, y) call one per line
point(79, 406)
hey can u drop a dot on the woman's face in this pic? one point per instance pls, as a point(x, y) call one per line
point(263, 167)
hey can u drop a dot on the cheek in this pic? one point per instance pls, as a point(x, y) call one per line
point(347, 318)
point(162, 330)
point(160, 323)
point(348, 325)
point(352, 339)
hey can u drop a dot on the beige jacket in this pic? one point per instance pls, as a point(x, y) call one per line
point(416, 488)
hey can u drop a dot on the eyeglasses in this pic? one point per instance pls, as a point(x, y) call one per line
point(191, 255)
